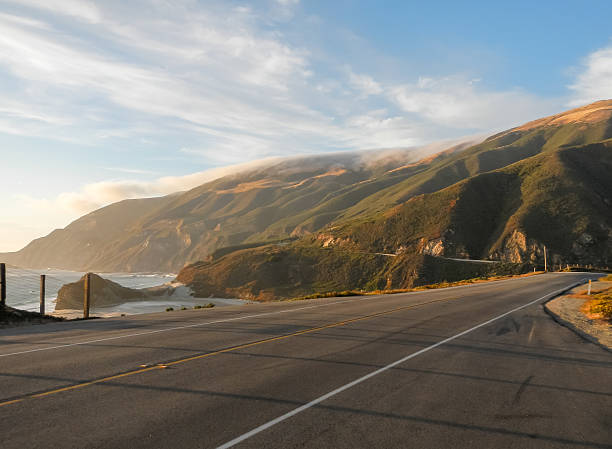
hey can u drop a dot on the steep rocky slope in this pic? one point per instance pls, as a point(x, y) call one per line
point(543, 183)
point(560, 199)
point(276, 271)
point(291, 197)
point(549, 186)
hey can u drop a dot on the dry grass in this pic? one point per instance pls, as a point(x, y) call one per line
point(602, 110)
point(343, 293)
point(246, 186)
point(15, 317)
point(601, 304)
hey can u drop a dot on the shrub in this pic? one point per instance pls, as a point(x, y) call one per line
point(602, 304)
point(204, 306)
point(603, 307)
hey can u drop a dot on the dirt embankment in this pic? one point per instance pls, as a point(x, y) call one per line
point(10, 317)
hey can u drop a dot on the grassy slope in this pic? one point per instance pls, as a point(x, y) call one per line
point(202, 220)
point(191, 225)
point(560, 199)
point(275, 272)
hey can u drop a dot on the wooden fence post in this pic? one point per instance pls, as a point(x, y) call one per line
point(2, 285)
point(43, 279)
point(87, 296)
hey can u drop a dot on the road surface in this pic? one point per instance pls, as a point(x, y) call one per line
point(465, 367)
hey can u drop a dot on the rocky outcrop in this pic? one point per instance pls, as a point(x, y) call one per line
point(545, 183)
point(434, 247)
point(103, 293)
point(517, 248)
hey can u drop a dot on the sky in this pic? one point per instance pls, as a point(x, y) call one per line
point(107, 100)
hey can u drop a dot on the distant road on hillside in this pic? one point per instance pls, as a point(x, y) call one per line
point(479, 366)
point(473, 260)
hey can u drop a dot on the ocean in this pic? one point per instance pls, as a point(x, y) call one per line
point(23, 286)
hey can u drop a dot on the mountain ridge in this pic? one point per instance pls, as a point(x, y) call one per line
point(298, 199)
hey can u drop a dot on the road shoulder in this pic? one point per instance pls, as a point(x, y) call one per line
point(569, 310)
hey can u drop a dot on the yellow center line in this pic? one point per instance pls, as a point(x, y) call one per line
point(221, 351)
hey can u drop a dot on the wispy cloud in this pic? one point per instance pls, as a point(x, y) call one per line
point(80, 9)
point(595, 80)
point(218, 84)
point(364, 83)
point(241, 91)
point(131, 171)
point(95, 195)
point(457, 102)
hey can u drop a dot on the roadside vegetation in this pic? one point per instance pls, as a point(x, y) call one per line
point(15, 317)
point(415, 289)
point(305, 268)
point(602, 302)
point(210, 305)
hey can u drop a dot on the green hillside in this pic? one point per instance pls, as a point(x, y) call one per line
point(303, 268)
point(544, 183)
point(557, 196)
point(290, 198)
point(560, 199)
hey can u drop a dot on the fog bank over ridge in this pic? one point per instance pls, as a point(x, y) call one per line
point(308, 197)
point(96, 195)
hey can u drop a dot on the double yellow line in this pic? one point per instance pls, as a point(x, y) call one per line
point(211, 354)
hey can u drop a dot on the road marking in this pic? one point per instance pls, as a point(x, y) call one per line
point(320, 399)
point(86, 342)
point(382, 296)
point(221, 351)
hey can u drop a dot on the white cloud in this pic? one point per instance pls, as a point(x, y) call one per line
point(223, 76)
point(459, 103)
point(285, 9)
point(364, 84)
point(241, 91)
point(595, 81)
point(221, 84)
point(95, 195)
point(28, 112)
point(81, 9)
point(133, 171)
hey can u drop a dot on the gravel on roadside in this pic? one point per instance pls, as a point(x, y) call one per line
point(569, 310)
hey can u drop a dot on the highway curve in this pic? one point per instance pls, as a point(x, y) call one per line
point(465, 367)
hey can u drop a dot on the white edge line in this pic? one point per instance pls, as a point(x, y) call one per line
point(67, 345)
point(81, 343)
point(320, 399)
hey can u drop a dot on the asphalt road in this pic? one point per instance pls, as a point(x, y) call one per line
point(467, 367)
